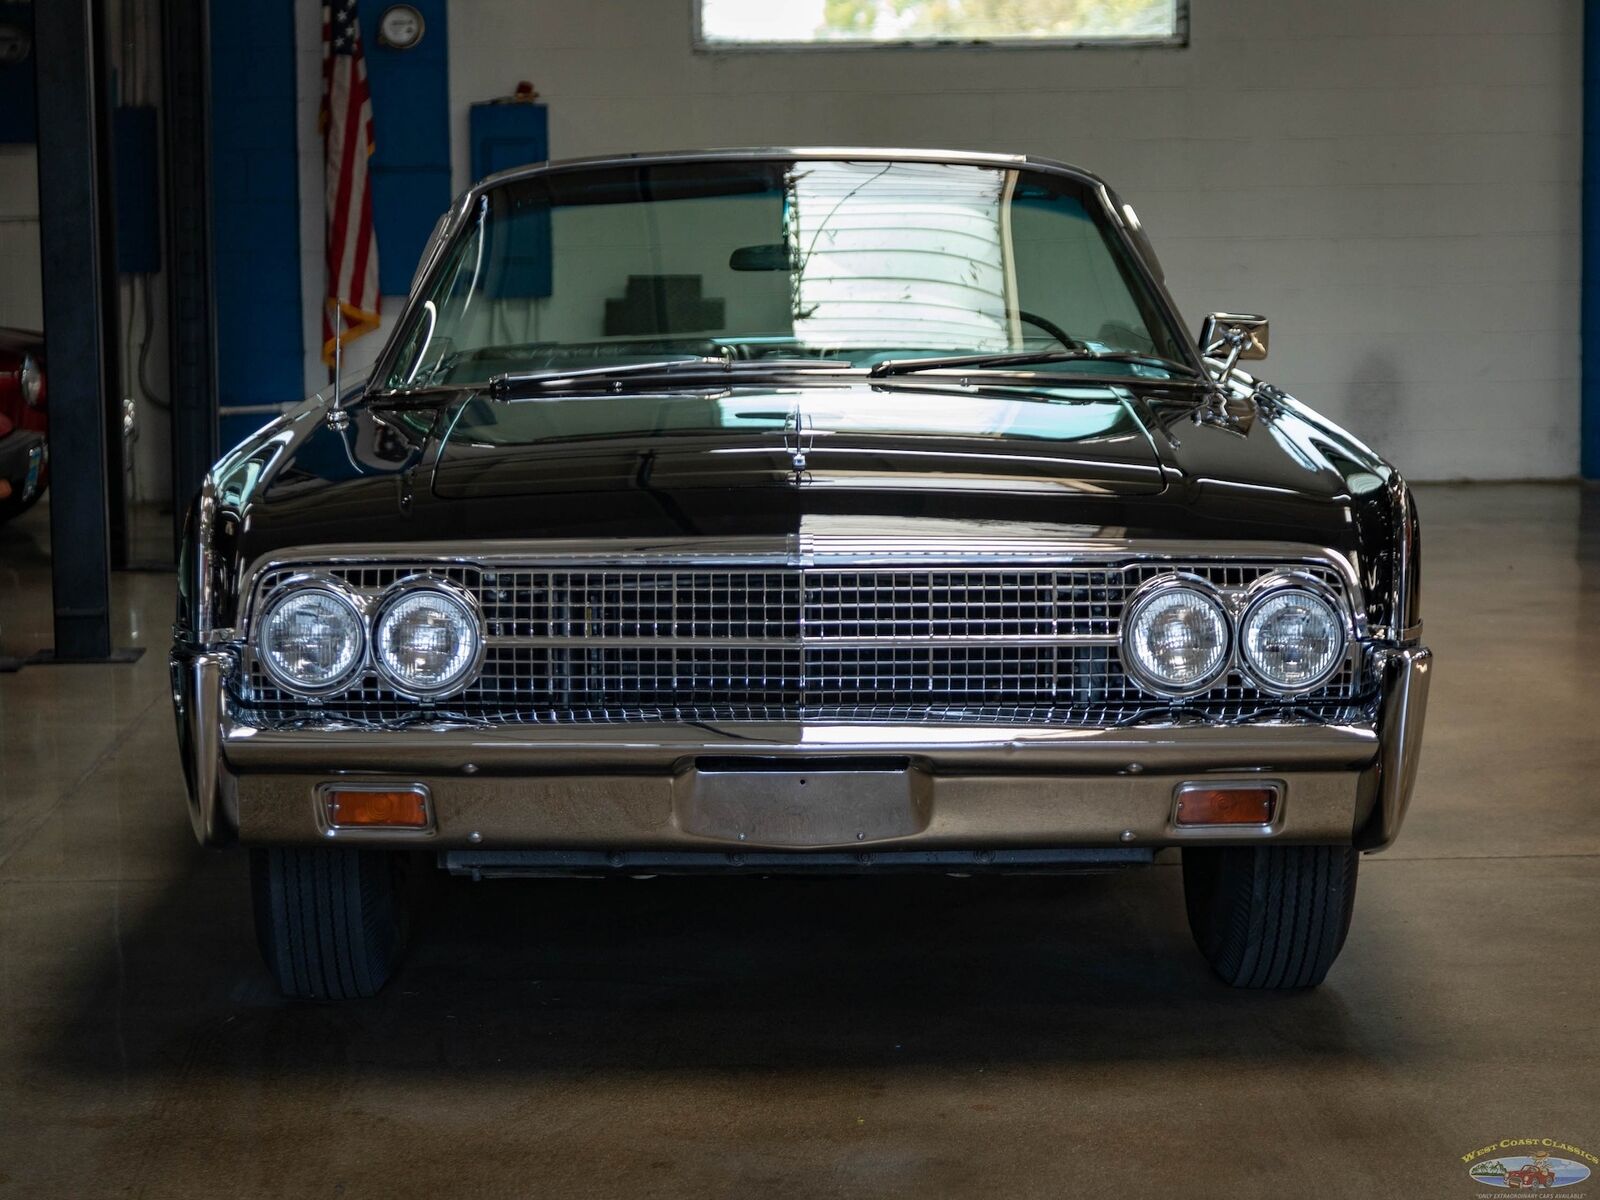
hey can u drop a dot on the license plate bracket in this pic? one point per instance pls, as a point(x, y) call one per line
point(800, 804)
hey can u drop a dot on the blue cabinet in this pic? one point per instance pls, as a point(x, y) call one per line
point(508, 135)
point(513, 135)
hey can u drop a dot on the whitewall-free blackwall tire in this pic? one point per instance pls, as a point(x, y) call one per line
point(330, 921)
point(1270, 916)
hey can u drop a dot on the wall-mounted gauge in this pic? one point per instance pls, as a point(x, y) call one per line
point(401, 27)
point(16, 43)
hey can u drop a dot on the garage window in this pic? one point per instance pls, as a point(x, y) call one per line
point(833, 24)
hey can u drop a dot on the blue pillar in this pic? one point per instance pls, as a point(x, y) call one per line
point(255, 214)
point(1589, 332)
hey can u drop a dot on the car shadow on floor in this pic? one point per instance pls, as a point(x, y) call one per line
point(569, 976)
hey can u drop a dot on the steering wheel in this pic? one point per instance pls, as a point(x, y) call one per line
point(1068, 342)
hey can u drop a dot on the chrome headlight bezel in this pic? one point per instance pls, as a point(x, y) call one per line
point(1269, 587)
point(293, 588)
point(404, 589)
point(1141, 599)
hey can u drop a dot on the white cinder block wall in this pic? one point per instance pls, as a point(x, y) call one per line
point(1394, 182)
point(21, 298)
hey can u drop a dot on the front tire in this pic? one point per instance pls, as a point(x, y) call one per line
point(330, 921)
point(1270, 916)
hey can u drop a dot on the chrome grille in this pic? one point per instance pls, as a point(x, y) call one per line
point(719, 606)
point(959, 605)
point(943, 642)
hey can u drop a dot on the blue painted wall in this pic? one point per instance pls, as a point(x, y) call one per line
point(411, 125)
point(255, 210)
point(255, 187)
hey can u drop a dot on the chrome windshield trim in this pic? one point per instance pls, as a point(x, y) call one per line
point(974, 158)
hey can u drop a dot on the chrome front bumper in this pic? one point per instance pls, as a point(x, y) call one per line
point(667, 787)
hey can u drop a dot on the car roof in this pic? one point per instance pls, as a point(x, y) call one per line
point(976, 158)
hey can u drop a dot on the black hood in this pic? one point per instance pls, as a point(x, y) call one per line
point(1135, 461)
point(756, 459)
point(1122, 460)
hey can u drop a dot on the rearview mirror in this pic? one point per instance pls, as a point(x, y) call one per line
point(773, 256)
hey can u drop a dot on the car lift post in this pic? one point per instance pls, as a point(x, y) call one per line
point(1589, 335)
point(79, 272)
point(192, 343)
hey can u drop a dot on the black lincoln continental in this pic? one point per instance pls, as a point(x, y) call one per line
point(788, 511)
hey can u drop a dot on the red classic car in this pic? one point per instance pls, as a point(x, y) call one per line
point(24, 454)
point(1531, 1175)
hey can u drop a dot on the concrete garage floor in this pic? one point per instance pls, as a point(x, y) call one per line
point(1040, 1037)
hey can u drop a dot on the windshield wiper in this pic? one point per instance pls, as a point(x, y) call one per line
point(675, 370)
point(1024, 358)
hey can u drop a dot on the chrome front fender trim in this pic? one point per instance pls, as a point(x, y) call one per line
point(197, 678)
point(270, 446)
point(1407, 675)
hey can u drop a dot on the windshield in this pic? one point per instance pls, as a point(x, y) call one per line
point(849, 263)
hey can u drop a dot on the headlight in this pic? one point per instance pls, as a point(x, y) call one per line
point(1175, 638)
point(311, 639)
point(31, 380)
point(1292, 639)
point(427, 642)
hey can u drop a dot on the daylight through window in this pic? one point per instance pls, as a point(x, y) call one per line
point(731, 24)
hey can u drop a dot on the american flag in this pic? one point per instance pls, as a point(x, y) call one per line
point(352, 302)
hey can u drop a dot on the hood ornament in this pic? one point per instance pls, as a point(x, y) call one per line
point(799, 436)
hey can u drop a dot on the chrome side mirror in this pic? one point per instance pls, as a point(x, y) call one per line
point(1233, 337)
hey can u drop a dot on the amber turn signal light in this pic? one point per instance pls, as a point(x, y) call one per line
point(1230, 805)
point(362, 808)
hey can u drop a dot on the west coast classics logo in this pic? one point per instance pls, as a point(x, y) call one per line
point(1530, 1164)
